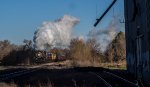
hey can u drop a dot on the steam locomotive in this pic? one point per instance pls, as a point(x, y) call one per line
point(44, 56)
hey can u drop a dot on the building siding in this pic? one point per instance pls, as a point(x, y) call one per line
point(138, 38)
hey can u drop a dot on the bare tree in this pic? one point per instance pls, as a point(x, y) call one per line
point(28, 44)
point(95, 49)
point(116, 49)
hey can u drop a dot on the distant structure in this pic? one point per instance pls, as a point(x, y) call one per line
point(137, 28)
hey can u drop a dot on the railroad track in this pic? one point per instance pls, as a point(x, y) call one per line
point(111, 80)
point(103, 80)
point(108, 79)
point(16, 73)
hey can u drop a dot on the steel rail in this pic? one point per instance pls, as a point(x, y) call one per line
point(15, 74)
point(126, 81)
point(105, 82)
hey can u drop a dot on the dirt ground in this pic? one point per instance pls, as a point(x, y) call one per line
point(50, 77)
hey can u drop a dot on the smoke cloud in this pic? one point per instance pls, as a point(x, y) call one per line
point(55, 34)
point(107, 34)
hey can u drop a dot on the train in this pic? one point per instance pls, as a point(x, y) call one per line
point(48, 56)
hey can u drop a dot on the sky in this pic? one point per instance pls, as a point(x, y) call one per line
point(19, 19)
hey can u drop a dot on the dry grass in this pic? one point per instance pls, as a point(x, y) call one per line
point(121, 65)
point(12, 84)
point(2, 84)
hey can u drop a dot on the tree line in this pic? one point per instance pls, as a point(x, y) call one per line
point(79, 51)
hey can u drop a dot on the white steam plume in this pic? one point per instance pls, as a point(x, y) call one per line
point(107, 34)
point(55, 34)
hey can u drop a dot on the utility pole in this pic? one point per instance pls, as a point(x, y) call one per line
point(102, 16)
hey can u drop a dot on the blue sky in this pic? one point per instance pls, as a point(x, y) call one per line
point(20, 18)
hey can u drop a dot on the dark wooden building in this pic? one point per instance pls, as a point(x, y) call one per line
point(137, 28)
